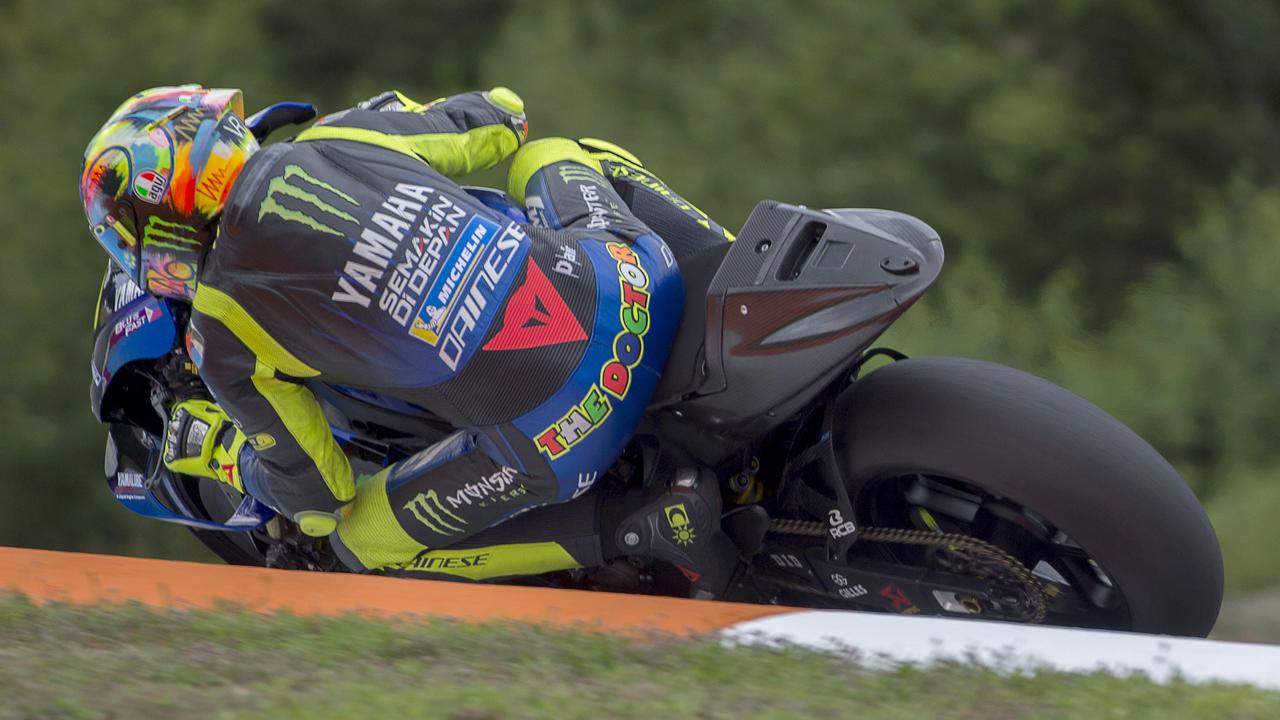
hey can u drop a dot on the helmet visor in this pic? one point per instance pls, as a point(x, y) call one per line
point(118, 237)
point(112, 220)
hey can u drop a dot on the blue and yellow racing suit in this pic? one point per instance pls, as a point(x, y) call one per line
point(348, 256)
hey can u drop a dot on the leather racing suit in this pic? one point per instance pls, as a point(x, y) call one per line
point(348, 257)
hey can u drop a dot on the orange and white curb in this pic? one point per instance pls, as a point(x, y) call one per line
point(890, 640)
point(45, 576)
point(879, 640)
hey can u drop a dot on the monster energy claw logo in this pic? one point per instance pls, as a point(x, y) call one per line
point(426, 507)
point(578, 173)
point(304, 192)
point(172, 235)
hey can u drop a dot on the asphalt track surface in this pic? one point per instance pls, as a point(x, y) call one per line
point(877, 640)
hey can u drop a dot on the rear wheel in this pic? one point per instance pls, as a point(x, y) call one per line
point(1107, 525)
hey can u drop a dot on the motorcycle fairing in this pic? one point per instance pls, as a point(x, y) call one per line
point(143, 329)
point(498, 200)
point(273, 117)
point(136, 487)
point(795, 301)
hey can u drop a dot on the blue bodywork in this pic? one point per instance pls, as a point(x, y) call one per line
point(133, 490)
point(272, 118)
point(143, 329)
point(499, 201)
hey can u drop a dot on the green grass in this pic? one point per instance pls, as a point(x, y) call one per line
point(1244, 516)
point(62, 662)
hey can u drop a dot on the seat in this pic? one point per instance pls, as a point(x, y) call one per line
point(684, 369)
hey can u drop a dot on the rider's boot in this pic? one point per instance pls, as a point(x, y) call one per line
point(679, 524)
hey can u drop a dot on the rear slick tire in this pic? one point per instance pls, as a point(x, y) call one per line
point(1021, 437)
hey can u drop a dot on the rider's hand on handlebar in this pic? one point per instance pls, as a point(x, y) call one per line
point(466, 112)
point(201, 440)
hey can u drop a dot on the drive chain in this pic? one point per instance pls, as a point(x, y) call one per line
point(1011, 567)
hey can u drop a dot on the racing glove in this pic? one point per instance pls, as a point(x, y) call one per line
point(202, 441)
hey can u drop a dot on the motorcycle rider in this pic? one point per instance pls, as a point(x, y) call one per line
point(349, 256)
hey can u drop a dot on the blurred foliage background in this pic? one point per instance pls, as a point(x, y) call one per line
point(1105, 173)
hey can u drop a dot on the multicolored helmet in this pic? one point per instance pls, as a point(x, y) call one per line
point(156, 177)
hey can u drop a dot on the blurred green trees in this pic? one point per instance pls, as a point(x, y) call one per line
point(1105, 173)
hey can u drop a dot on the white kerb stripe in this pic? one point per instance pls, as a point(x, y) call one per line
point(889, 640)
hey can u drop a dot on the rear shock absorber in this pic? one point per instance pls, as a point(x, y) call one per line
point(745, 487)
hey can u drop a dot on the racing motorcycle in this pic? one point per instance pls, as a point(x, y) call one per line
point(936, 486)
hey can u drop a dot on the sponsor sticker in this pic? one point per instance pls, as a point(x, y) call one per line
point(579, 422)
point(585, 482)
point(536, 316)
point(445, 292)
point(537, 211)
point(121, 292)
point(847, 590)
point(443, 561)
point(839, 527)
point(500, 486)
point(628, 345)
point(433, 515)
point(786, 560)
point(130, 485)
point(567, 262)
point(681, 527)
point(134, 321)
point(161, 233)
point(420, 260)
point(615, 374)
point(320, 200)
point(597, 212)
point(261, 441)
point(466, 310)
point(149, 186)
point(901, 603)
point(390, 254)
